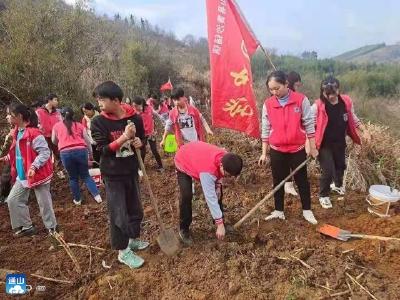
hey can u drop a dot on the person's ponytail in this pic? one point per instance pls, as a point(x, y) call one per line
point(68, 116)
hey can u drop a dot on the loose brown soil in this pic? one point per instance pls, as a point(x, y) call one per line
point(263, 260)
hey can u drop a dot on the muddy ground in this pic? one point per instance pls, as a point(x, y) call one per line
point(264, 260)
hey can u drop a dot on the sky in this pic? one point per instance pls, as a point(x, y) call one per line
point(291, 27)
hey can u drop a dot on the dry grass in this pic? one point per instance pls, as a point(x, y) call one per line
point(376, 162)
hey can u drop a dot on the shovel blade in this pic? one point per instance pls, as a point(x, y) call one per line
point(334, 232)
point(168, 242)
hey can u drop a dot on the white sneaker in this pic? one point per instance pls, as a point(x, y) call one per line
point(98, 199)
point(309, 216)
point(325, 202)
point(276, 214)
point(77, 202)
point(61, 175)
point(340, 190)
point(289, 188)
point(140, 173)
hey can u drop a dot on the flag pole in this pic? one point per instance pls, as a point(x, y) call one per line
point(267, 56)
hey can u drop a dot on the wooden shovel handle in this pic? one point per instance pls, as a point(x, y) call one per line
point(148, 186)
point(374, 237)
point(238, 223)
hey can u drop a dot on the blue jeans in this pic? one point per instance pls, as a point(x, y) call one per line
point(76, 163)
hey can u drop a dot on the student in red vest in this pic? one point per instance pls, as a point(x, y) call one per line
point(31, 169)
point(335, 118)
point(146, 112)
point(89, 113)
point(286, 123)
point(208, 164)
point(185, 121)
point(151, 100)
point(118, 131)
point(75, 149)
point(162, 109)
point(48, 117)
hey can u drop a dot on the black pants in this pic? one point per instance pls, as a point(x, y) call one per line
point(281, 164)
point(5, 182)
point(185, 203)
point(124, 209)
point(332, 160)
point(153, 147)
point(96, 154)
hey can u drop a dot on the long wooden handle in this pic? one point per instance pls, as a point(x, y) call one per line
point(148, 186)
point(271, 193)
point(147, 182)
point(374, 237)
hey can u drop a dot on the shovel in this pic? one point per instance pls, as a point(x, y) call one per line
point(268, 196)
point(345, 235)
point(167, 239)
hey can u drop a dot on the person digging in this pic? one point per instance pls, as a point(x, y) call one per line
point(208, 164)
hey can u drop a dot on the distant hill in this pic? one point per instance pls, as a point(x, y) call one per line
point(378, 53)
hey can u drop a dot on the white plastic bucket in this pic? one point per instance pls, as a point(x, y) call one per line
point(96, 175)
point(380, 198)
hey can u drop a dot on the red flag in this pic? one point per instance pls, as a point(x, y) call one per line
point(166, 86)
point(231, 43)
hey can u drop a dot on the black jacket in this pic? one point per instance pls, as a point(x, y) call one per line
point(105, 130)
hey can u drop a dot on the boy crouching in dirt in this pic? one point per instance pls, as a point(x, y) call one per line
point(116, 140)
point(208, 164)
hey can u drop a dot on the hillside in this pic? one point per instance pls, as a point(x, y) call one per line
point(378, 53)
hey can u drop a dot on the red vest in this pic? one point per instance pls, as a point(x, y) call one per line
point(47, 120)
point(148, 121)
point(198, 157)
point(44, 173)
point(322, 121)
point(287, 131)
point(163, 108)
point(194, 112)
point(67, 141)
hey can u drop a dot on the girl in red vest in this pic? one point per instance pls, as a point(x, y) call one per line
point(335, 118)
point(185, 121)
point(31, 169)
point(286, 123)
point(75, 151)
point(146, 112)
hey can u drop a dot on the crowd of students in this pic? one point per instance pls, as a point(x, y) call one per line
point(292, 129)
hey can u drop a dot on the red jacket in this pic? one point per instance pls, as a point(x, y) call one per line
point(44, 173)
point(148, 120)
point(194, 112)
point(47, 120)
point(287, 131)
point(322, 121)
point(198, 157)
